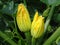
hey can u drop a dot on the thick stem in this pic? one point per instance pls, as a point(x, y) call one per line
point(5, 37)
point(28, 38)
point(55, 35)
point(33, 41)
point(49, 17)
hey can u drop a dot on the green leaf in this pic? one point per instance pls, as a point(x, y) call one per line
point(5, 37)
point(9, 33)
point(9, 8)
point(51, 2)
point(53, 37)
point(58, 43)
point(45, 13)
point(58, 40)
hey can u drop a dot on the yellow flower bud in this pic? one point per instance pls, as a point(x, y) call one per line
point(23, 18)
point(37, 27)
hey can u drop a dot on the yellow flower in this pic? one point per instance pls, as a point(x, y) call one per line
point(23, 18)
point(37, 27)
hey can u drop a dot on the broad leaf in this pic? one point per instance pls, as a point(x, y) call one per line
point(9, 8)
point(51, 2)
point(58, 43)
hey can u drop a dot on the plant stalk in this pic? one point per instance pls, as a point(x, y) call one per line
point(24, 2)
point(28, 38)
point(53, 37)
point(33, 41)
point(5, 37)
point(15, 30)
point(49, 17)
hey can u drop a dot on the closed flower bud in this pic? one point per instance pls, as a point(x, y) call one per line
point(37, 27)
point(45, 13)
point(23, 18)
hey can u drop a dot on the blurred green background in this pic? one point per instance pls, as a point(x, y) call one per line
point(8, 9)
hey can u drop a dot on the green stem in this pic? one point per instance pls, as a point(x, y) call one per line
point(55, 35)
point(28, 38)
point(15, 30)
point(15, 24)
point(49, 17)
point(33, 41)
point(24, 2)
point(4, 36)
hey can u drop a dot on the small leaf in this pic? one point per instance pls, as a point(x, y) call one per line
point(45, 13)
